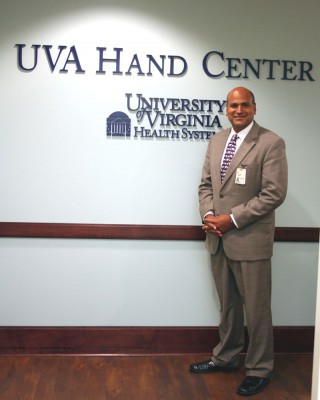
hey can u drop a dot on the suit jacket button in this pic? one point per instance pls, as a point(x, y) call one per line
point(221, 196)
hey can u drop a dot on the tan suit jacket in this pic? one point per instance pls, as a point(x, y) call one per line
point(262, 155)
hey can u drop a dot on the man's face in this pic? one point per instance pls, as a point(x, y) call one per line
point(240, 109)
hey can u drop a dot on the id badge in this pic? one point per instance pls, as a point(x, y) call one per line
point(240, 176)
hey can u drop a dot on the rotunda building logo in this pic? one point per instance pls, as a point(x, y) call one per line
point(118, 124)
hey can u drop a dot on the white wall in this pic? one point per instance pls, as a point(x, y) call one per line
point(120, 283)
point(57, 165)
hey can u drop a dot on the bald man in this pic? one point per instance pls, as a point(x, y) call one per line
point(238, 195)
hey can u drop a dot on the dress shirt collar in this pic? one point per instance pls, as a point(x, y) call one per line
point(242, 134)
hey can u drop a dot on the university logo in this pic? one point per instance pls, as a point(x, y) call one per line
point(118, 124)
point(161, 118)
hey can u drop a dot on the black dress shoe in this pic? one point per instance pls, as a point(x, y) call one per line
point(252, 385)
point(208, 366)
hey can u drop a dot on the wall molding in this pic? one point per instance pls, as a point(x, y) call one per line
point(135, 340)
point(142, 232)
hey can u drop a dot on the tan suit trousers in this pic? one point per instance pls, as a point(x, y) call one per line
point(244, 285)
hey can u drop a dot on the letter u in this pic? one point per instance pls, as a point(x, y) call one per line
point(20, 65)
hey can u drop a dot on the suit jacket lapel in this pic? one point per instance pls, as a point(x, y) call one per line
point(217, 157)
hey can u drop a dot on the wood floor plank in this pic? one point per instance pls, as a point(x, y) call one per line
point(141, 378)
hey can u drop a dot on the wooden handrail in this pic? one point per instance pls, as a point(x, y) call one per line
point(142, 232)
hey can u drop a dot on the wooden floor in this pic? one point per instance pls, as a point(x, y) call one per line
point(140, 378)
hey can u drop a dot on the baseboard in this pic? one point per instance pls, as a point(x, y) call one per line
point(134, 340)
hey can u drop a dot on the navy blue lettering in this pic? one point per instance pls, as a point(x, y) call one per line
point(220, 105)
point(47, 50)
point(248, 65)
point(216, 121)
point(205, 64)
point(306, 71)
point(128, 96)
point(164, 103)
point(173, 71)
point(270, 63)
point(115, 60)
point(288, 70)
point(153, 122)
point(135, 64)
point(233, 66)
point(175, 134)
point(145, 104)
point(153, 61)
point(35, 51)
point(74, 60)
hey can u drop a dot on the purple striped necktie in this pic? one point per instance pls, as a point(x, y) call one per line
point(228, 155)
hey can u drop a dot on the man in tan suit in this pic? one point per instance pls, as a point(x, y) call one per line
point(238, 211)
